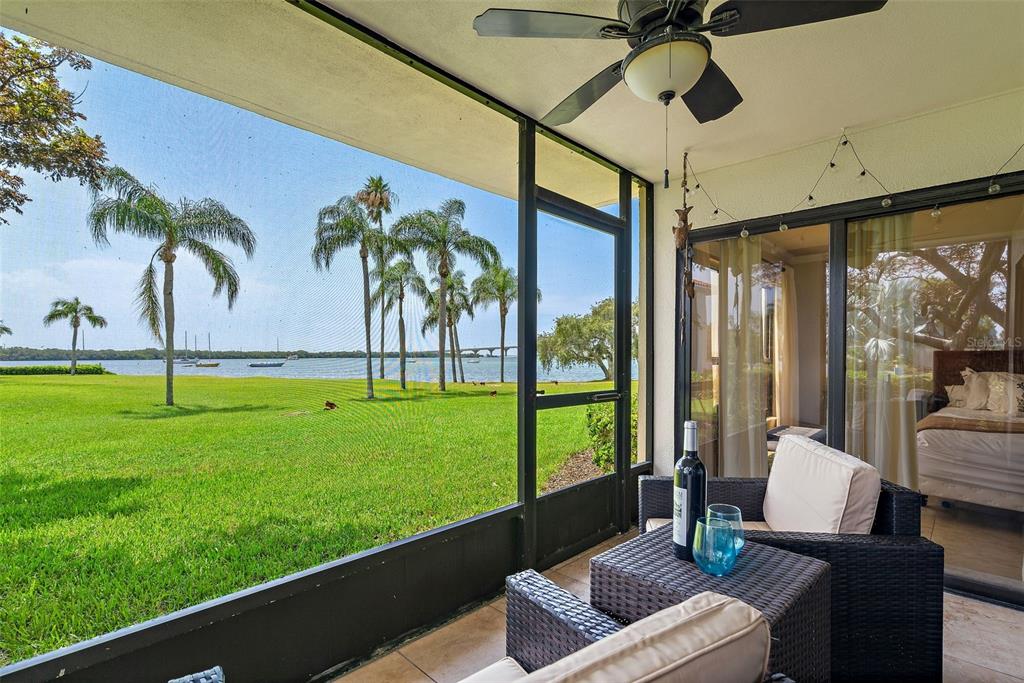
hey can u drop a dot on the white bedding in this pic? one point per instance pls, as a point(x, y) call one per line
point(979, 467)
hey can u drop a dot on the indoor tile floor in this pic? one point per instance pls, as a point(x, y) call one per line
point(983, 643)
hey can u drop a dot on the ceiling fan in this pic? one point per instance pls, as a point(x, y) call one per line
point(669, 54)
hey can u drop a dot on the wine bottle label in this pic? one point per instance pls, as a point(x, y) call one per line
point(679, 516)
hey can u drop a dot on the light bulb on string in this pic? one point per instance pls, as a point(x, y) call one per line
point(744, 233)
point(783, 227)
point(886, 202)
point(833, 166)
point(810, 200)
point(993, 187)
point(862, 174)
point(714, 215)
point(936, 212)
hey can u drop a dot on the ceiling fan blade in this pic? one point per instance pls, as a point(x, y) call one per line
point(584, 96)
point(524, 23)
point(713, 96)
point(765, 15)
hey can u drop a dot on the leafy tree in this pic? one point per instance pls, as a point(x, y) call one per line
point(498, 284)
point(38, 120)
point(136, 209)
point(379, 199)
point(4, 329)
point(74, 311)
point(395, 281)
point(581, 339)
point(442, 237)
point(344, 224)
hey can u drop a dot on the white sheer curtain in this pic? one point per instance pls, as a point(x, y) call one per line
point(743, 375)
point(787, 363)
point(881, 322)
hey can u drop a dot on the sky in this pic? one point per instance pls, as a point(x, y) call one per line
point(276, 178)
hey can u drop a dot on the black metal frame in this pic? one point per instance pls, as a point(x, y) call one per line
point(837, 217)
point(313, 624)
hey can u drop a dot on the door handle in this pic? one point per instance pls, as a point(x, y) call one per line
point(606, 396)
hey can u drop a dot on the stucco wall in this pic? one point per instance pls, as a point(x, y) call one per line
point(967, 141)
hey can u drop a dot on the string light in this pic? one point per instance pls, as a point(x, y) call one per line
point(744, 233)
point(993, 186)
point(810, 201)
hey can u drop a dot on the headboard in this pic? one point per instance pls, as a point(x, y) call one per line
point(946, 365)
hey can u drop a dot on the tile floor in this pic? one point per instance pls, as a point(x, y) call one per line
point(983, 643)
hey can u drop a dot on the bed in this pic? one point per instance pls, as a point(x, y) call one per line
point(975, 456)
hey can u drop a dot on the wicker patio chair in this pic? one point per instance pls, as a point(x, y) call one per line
point(546, 623)
point(886, 585)
point(214, 675)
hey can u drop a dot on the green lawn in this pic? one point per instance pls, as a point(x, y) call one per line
point(115, 509)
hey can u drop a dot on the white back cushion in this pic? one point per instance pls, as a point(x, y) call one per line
point(815, 488)
point(707, 639)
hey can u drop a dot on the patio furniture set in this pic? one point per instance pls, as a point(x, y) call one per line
point(862, 602)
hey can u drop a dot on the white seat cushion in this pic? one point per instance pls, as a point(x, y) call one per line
point(707, 639)
point(656, 522)
point(815, 488)
point(505, 670)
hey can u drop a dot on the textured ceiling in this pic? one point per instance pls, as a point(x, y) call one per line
point(800, 84)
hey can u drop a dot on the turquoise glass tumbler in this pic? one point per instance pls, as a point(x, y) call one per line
point(731, 514)
point(714, 546)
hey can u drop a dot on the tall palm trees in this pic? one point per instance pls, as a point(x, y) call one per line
point(5, 329)
point(442, 237)
point(395, 281)
point(344, 224)
point(379, 199)
point(136, 209)
point(74, 311)
point(499, 285)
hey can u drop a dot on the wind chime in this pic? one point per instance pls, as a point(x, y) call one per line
point(681, 233)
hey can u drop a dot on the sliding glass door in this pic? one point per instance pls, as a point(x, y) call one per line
point(758, 348)
point(935, 372)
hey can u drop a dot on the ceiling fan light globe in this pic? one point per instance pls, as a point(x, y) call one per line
point(668, 66)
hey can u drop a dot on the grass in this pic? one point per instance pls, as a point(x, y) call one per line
point(115, 508)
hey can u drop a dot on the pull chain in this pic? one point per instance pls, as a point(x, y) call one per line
point(666, 145)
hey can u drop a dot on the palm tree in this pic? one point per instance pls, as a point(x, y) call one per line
point(395, 281)
point(339, 226)
point(74, 311)
point(459, 303)
point(4, 329)
point(499, 285)
point(136, 209)
point(441, 235)
point(378, 199)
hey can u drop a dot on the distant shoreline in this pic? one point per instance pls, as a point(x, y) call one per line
point(26, 354)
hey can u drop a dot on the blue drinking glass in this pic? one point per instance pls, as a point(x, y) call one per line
point(714, 546)
point(731, 514)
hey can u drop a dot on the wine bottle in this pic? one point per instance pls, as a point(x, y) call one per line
point(689, 494)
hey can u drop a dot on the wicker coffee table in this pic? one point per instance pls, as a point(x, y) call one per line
point(642, 576)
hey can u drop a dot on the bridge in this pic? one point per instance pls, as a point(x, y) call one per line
point(491, 350)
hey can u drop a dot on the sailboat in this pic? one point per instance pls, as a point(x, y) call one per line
point(208, 363)
point(185, 361)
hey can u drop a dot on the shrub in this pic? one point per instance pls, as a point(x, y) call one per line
point(601, 429)
point(52, 370)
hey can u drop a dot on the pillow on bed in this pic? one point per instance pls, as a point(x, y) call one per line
point(1002, 393)
point(957, 394)
point(977, 389)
